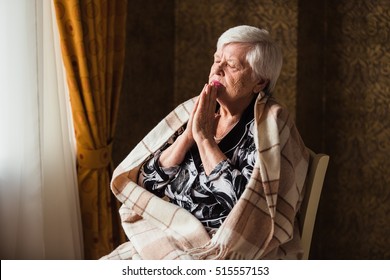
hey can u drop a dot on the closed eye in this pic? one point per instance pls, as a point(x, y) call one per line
point(233, 64)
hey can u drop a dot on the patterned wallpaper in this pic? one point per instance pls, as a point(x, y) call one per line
point(355, 211)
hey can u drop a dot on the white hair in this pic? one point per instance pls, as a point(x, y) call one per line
point(265, 56)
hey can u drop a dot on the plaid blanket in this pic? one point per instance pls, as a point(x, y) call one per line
point(260, 226)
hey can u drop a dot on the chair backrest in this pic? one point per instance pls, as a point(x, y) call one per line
point(313, 187)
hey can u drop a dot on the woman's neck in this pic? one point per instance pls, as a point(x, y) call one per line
point(232, 112)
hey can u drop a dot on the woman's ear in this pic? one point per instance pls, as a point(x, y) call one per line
point(261, 84)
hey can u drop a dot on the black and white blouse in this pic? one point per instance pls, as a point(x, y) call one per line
point(208, 198)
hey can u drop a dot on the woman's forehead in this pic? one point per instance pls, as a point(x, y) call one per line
point(233, 51)
point(235, 47)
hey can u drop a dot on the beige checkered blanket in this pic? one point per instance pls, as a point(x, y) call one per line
point(260, 226)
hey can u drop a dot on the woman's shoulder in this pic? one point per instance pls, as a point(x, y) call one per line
point(276, 104)
point(270, 107)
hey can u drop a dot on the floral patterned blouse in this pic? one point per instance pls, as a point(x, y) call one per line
point(208, 198)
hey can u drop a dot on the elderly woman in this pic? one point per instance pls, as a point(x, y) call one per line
point(230, 162)
point(206, 168)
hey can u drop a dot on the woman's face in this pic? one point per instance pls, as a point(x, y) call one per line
point(231, 69)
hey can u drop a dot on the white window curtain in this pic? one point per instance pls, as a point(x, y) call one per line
point(39, 206)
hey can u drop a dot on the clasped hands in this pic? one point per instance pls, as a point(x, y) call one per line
point(202, 123)
point(200, 129)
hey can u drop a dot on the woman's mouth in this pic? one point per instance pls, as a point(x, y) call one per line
point(217, 84)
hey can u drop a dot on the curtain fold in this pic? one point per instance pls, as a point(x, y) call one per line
point(93, 47)
point(39, 205)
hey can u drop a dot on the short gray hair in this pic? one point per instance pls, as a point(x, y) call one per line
point(265, 56)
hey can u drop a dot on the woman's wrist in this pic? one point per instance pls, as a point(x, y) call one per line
point(186, 141)
point(174, 155)
point(210, 153)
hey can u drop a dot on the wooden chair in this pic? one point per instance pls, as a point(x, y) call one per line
point(313, 186)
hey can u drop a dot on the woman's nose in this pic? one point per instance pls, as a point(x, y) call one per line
point(220, 68)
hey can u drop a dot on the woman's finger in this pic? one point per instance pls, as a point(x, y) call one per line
point(203, 98)
point(210, 100)
point(213, 98)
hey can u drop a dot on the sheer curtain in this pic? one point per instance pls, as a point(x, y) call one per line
point(39, 206)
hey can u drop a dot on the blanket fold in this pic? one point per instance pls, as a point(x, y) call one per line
point(261, 224)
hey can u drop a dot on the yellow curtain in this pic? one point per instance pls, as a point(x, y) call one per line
point(93, 46)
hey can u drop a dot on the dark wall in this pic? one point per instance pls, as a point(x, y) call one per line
point(335, 81)
point(148, 86)
point(354, 214)
point(311, 85)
